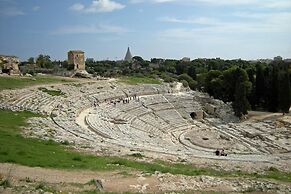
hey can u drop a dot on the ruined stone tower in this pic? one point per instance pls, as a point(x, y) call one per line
point(77, 59)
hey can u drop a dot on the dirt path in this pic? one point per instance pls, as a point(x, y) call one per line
point(259, 116)
point(115, 181)
point(124, 181)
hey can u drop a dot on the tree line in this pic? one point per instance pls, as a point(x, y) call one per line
point(247, 85)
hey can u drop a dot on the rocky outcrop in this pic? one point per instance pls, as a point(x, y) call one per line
point(9, 64)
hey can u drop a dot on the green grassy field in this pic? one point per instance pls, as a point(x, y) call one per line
point(134, 80)
point(14, 148)
point(13, 82)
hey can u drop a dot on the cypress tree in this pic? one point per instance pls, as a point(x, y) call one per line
point(284, 95)
point(252, 95)
point(260, 84)
point(241, 104)
point(274, 89)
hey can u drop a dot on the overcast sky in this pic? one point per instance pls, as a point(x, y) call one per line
point(229, 29)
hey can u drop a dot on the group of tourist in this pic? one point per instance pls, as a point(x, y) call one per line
point(220, 152)
point(123, 100)
point(127, 100)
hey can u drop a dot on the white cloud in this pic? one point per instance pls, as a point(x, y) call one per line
point(194, 20)
point(260, 3)
point(264, 3)
point(136, 1)
point(10, 8)
point(36, 8)
point(11, 11)
point(164, 1)
point(89, 29)
point(98, 6)
point(77, 7)
point(279, 4)
point(151, 1)
point(245, 23)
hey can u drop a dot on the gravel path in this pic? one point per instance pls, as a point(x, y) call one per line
point(118, 181)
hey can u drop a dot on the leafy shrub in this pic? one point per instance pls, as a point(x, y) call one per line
point(137, 155)
point(66, 142)
point(5, 183)
point(185, 77)
point(185, 83)
point(193, 85)
point(77, 158)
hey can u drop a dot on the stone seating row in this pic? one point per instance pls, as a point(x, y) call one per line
point(153, 99)
point(102, 127)
point(35, 101)
point(154, 120)
point(160, 106)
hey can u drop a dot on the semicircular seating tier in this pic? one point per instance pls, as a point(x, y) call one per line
point(154, 118)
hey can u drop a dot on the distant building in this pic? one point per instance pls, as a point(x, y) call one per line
point(76, 59)
point(9, 64)
point(185, 59)
point(128, 56)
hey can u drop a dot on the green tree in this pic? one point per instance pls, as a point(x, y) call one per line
point(217, 88)
point(193, 85)
point(65, 64)
point(185, 83)
point(260, 84)
point(30, 60)
point(284, 95)
point(273, 88)
point(252, 95)
point(89, 62)
point(212, 78)
point(201, 79)
point(138, 59)
point(44, 61)
point(241, 104)
point(185, 77)
point(181, 68)
point(192, 72)
point(229, 83)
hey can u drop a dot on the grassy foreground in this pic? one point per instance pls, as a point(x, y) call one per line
point(13, 82)
point(134, 80)
point(14, 148)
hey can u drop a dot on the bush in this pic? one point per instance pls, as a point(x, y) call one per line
point(185, 77)
point(5, 183)
point(137, 155)
point(31, 72)
point(66, 142)
point(193, 85)
point(169, 79)
point(185, 83)
point(273, 169)
point(77, 158)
